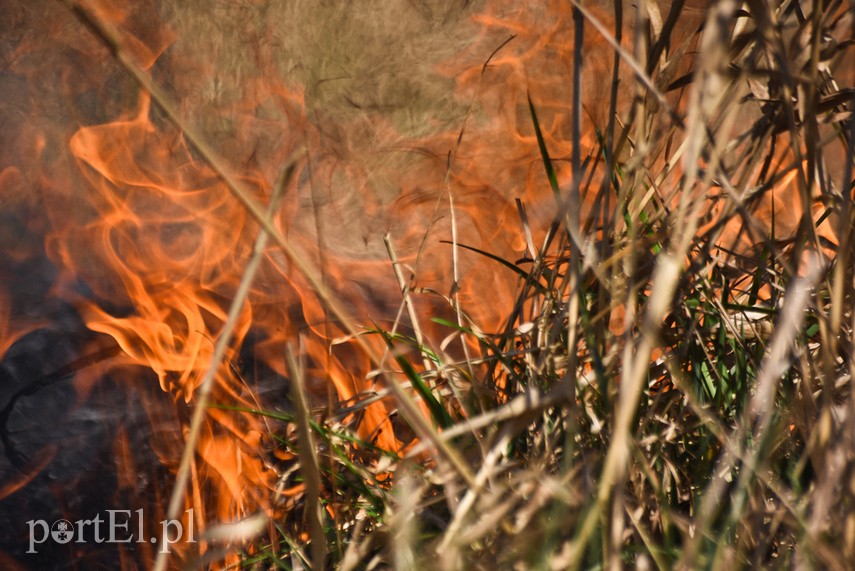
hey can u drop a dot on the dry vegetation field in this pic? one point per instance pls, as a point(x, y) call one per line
point(670, 385)
point(574, 280)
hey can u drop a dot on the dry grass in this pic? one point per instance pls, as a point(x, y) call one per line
point(672, 386)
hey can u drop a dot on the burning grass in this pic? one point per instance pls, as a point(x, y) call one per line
point(672, 386)
point(668, 380)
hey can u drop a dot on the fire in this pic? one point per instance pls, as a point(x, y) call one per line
point(149, 245)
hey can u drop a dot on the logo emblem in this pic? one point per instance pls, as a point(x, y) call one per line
point(62, 531)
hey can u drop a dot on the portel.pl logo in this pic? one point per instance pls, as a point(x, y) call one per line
point(118, 526)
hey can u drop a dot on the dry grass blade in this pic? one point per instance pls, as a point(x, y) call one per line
point(411, 310)
point(309, 464)
point(207, 384)
point(111, 39)
point(789, 325)
point(636, 67)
